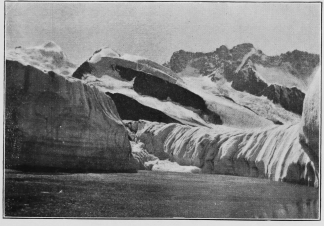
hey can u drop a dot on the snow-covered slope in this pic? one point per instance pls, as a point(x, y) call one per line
point(46, 57)
point(106, 61)
point(280, 76)
point(273, 153)
point(260, 105)
point(157, 87)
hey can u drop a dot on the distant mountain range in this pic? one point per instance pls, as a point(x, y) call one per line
point(282, 79)
point(296, 63)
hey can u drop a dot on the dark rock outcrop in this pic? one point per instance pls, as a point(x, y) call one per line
point(290, 99)
point(223, 53)
point(239, 51)
point(130, 109)
point(58, 123)
point(207, 62)
point(180, 59)
point(164, 90)
point(302, 63)
point(84, 68)
point(249, 82)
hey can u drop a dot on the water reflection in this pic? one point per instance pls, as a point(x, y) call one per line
point(303, 209)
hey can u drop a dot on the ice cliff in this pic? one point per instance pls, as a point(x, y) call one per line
point(310, 130)
point(273, 153)
point(60, 123)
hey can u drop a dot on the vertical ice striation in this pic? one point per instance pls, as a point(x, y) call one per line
point(59, 123)
point(273, 153)
point(309, 130)
point(281, 153)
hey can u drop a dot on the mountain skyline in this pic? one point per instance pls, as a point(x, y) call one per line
point(157, 30)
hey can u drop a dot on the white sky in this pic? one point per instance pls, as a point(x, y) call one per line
point(156, 30)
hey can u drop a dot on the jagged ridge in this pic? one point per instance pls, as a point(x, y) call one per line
point(130, 109)
point(232, 64)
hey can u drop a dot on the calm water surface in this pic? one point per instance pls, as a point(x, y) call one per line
point(155, 195)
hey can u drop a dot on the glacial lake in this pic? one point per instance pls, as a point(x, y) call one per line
point(148, 194)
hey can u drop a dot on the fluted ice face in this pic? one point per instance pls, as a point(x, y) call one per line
point(273, 153)
point(309, 130)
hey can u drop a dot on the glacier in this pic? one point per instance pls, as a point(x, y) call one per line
point(288, 153)
point(56, 122)
point(196, 128)
point(274, 153)
point(309, 128)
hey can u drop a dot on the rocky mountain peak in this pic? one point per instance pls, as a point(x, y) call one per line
point(243, 46)
point(239, 51)
point(222, 51)
point(222, 47)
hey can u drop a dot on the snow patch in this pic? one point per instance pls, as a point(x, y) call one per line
point(141, 155)
point(50, 46)
point(167, 166)
point(272, 75)
point(133, 58)
point(46, 57)
point(105, 52)
point(109, 52)
point(253, 51)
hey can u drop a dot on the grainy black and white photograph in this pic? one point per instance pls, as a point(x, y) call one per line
point(162, 110)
